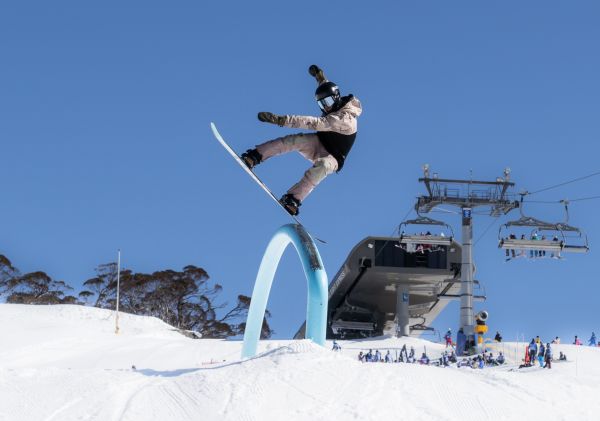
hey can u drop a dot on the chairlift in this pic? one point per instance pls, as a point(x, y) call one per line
point(564, 237)
point(413, 240)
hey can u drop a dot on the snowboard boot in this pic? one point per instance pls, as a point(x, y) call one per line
point(290, 203)
point(251, 158)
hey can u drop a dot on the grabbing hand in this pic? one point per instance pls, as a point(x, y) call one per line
point(268, 117)
point(317, 73)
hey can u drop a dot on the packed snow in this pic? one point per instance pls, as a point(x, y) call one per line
point(66, 363)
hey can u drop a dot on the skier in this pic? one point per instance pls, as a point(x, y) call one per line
point(327, 148)
point(592, 340)
point(388, 357)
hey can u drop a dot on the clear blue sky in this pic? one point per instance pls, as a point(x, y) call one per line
point(104, 126)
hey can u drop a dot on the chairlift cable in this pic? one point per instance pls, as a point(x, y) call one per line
point(564, 183)
point(553, 202)
point(494, 221)
point(584, 198)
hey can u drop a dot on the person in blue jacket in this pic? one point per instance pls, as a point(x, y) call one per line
point(592, 341)
point(532, 351)
point(541, 355)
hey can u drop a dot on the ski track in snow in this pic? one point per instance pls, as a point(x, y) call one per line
point(64, 363)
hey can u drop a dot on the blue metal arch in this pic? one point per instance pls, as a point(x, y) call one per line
point(316, 307)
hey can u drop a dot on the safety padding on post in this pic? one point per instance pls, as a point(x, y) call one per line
point(316, 277)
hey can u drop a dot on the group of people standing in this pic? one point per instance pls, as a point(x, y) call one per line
point(537, 351)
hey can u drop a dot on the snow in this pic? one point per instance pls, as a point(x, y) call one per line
point(66, 363)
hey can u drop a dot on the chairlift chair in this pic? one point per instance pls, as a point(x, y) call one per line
point(427, 239)
point(562, 235)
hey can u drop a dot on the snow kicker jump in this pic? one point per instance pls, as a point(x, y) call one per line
point(316, 277)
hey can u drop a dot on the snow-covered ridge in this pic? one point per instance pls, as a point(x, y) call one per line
point(66, 363)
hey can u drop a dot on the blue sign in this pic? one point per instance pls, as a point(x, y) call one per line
point(466, 212)
point(405, 297)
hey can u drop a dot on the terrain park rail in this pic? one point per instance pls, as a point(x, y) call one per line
point(316, 277)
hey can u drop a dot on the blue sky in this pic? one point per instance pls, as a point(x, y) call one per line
point(104, 127)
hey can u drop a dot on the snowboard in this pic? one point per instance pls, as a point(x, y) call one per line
point(254, 176)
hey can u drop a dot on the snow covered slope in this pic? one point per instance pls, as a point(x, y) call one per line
point(66, 363)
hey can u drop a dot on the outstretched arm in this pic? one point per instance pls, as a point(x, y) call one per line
point(339, 122)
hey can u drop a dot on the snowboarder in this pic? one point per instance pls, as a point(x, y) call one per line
point(327, 148)
point(498, 337)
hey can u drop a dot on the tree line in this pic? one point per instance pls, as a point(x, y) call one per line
point(185, 299)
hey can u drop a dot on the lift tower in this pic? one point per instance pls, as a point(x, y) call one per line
point(467, 195)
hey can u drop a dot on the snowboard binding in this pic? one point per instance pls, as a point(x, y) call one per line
point(290, 204)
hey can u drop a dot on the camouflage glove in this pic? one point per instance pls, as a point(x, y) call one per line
point(317, 73)
point(267, 117)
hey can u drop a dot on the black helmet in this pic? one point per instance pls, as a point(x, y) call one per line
point(327, 96)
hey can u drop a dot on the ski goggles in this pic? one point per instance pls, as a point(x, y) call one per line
point(326, 103)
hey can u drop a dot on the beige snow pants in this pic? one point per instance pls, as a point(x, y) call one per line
point(309, 146)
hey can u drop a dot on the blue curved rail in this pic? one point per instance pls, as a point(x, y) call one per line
point(316, 277)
